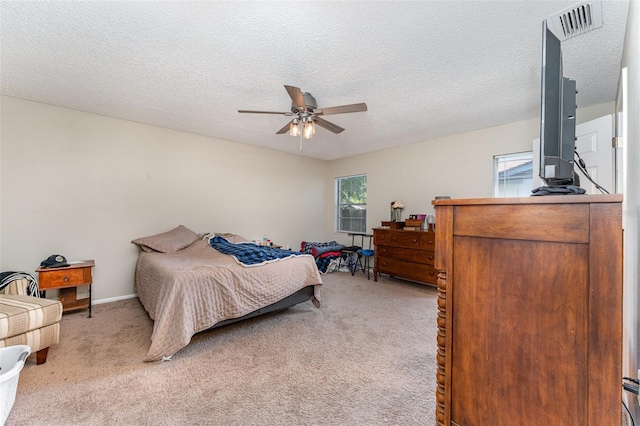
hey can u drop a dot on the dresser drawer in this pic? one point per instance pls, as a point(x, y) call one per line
point(64, 278)
point(381, 237)
point(406, 239)
point(430, 257)
point(428, 241)
point(410, 255)
point(408, 270)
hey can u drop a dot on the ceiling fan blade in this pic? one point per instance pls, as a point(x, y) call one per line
point(284, 130)
point(342, 109)
point(327, 125)
point(245, 111)
point(296, 96)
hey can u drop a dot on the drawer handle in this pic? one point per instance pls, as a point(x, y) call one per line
point(430, 242)
point(415, 240)
point(430, 257)
point(66, 279)
point(431, 273)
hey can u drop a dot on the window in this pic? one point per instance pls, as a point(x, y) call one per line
point(513, 175)
point(351, 203)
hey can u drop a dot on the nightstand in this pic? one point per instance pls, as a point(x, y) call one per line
point(67, 279)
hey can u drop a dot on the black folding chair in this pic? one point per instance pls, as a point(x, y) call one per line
point(349, 255)
point(358, 256)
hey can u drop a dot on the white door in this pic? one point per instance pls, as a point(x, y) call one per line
point(621, 133)
point(593, 143)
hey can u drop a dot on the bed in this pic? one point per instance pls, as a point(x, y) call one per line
point(196, 287)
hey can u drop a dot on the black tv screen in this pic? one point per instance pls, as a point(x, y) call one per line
point(557, 115)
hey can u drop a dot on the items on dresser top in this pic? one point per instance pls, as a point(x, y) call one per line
point(404, 254)
point(392, 224)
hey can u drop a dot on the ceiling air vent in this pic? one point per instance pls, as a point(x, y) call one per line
point(577, 19)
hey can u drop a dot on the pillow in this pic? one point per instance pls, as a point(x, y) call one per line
point(235, 239)
point(232, 238)
point(168, 242)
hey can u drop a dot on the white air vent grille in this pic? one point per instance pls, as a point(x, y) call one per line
point(577, 19)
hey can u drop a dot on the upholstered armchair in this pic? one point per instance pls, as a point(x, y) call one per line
point(28, 320)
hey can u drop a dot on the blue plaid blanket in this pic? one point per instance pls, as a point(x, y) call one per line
point(249, 254)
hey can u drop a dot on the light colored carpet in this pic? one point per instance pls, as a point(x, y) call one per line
point(366, 357)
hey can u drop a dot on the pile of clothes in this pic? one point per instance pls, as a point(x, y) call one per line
point(327, 254)
point(324, 253)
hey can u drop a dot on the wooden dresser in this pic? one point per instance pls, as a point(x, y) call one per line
point(529, 311)
point(404, 254)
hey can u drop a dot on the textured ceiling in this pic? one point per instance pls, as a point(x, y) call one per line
point(425, 69)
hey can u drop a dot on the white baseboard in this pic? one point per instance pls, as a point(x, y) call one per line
point(113, 299)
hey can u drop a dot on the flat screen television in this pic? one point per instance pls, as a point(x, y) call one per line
point(557, 116)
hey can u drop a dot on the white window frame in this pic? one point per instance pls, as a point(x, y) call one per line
point(338, 206)
point(505, 187)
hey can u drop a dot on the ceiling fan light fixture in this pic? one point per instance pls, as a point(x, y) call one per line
point(309, 128)
point(294, 128)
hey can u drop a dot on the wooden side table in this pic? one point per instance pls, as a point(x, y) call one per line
point(67, 279)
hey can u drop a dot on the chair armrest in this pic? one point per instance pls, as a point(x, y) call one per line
point(16, 288)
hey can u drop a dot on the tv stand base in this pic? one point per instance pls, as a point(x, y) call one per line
point(558, 190)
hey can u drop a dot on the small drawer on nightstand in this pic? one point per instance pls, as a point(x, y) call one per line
point(62, 278)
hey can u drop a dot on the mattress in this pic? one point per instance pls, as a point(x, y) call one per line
point(194, 289)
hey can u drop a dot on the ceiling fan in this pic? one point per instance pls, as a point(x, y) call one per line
point(305, 113)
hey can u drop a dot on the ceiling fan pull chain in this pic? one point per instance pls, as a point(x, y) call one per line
point(300, 142)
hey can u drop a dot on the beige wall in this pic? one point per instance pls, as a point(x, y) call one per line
point(84, 185)
point(460, 166)
point(631, 206)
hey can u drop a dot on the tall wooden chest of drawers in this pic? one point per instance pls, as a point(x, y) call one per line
point(404, 254)
point(529, 311)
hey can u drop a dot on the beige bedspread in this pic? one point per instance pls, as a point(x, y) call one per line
point(192, 290)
